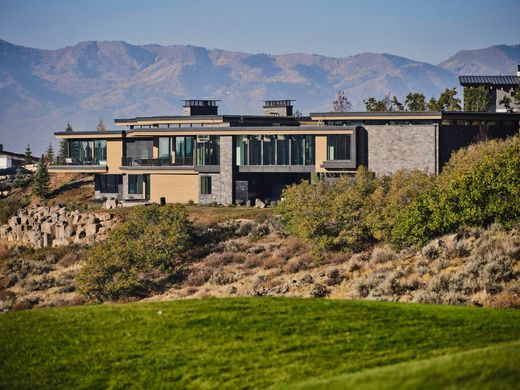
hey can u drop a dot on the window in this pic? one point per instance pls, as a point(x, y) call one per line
point(255, 150)
point(135, 184)
point(338, 147)
point(205, 185)
point(309, 150)
point(100, 152)
point(269, 150)
point(107, 184)
point(275, 150)
point(88, 151)
point(282, 152)
point(296, 150)
point(242, 150)
point(165, 150)
point(208, 150)
point(183, 150)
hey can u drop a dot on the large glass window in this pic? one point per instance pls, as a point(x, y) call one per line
point(282, 152)
point(165, 150)
point(255, 150)
point(275, 150)
point(100, 152)
point(309, 149)
point(242, 150)
point(297, 150)
point(338, 147)
point(135, 184)
point(88, 151)
point(269, 149)
point(107, 184)
point(183, 150)
point(208, 150)
point(139, 149)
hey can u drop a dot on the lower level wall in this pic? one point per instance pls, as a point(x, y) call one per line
point(393, 147)
point(175, 188)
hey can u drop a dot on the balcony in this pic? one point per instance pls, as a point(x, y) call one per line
point(156, 163)
point(80, 166)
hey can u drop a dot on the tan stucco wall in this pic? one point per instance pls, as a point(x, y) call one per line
point(176, 188)
point(321, 152)
point(114, 155)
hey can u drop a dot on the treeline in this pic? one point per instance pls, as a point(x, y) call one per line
point(479, 186)
point(416, 101)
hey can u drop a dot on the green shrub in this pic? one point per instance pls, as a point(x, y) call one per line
point(329, 215)
point(153, 239)
point(392, 195)
point(8, 208)
point(479, 186)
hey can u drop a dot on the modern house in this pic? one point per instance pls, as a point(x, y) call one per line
point(11, 160)
point(205, 157)
point(499, 87)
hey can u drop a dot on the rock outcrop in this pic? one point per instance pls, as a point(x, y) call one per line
point(44, 226)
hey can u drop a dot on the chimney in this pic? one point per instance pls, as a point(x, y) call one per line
point(278, 107)
point(518, 70)
point(200, 107)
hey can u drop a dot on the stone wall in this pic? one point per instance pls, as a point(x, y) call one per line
point(392, 147)
point(56, 226)
point(222, 182)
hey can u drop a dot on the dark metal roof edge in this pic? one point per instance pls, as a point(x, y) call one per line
point(238, 128)
point(92, 132)
point(375, 113)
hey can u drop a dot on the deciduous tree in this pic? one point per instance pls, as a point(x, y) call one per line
point(341, 103)
point(415, 102)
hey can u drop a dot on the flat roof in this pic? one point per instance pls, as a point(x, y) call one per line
point(489, 80)
point(414, 115)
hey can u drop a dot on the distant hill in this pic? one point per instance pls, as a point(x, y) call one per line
point(42, 90)
point(493, 60)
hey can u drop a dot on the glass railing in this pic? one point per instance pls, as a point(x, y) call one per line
point(155, 162)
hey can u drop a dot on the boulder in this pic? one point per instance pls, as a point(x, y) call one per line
point(259, 204)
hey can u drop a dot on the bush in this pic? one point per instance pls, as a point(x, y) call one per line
point(479, 186)
point(9, 208)
point(153, 238)
point(329, 215)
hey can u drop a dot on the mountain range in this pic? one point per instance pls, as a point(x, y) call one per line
point(42, 90)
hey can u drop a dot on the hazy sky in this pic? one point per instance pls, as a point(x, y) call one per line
point(422, 30)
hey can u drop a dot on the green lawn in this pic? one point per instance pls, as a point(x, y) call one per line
point(257, 343)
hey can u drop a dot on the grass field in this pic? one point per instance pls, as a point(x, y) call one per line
point(258, 343)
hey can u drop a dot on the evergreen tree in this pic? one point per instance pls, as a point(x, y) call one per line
point(63, 153)
point(19, 179)
point(41, 180)
point(28, 155)
point(49, 155)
